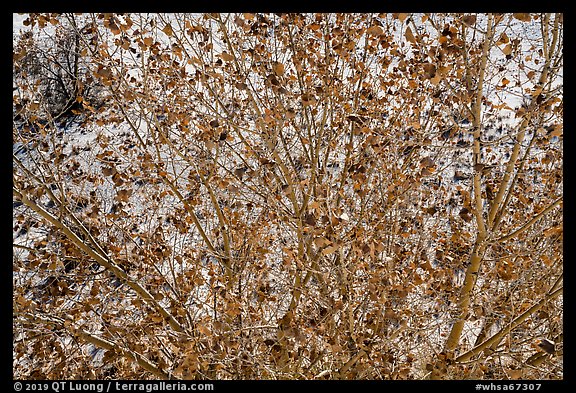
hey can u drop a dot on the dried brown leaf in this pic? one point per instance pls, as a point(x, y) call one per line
point(375, 31)
point(524, 17)
point(168, 30)
point(278, 68)
point(409, 35)
point(469, 20)
point(226, 56)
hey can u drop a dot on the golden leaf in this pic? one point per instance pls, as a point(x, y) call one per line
point(321, 241)
point(515, 374)
point(278, 68)
point(503, 39)
point(314, 205)
point(402, 16)
point(114, 28)
point(557, 131)
point(156, 318)
point(409, 36)
point(329, 250)
point(375, 30)
point(537, 90)
point(524, 17)
point(123, 195)
point(226, 56)
point(314, 26)
point(436, 79)
point(168, 30)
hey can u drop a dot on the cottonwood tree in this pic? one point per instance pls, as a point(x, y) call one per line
point(274, 196)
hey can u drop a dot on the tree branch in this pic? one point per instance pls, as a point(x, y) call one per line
point(100, 343)
point(529, 223)
point(105, 261)
point(496, 338)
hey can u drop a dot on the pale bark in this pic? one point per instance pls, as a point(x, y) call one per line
point(477, 252)
point(496, 338)
point(103, 260)
point(99, 342)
